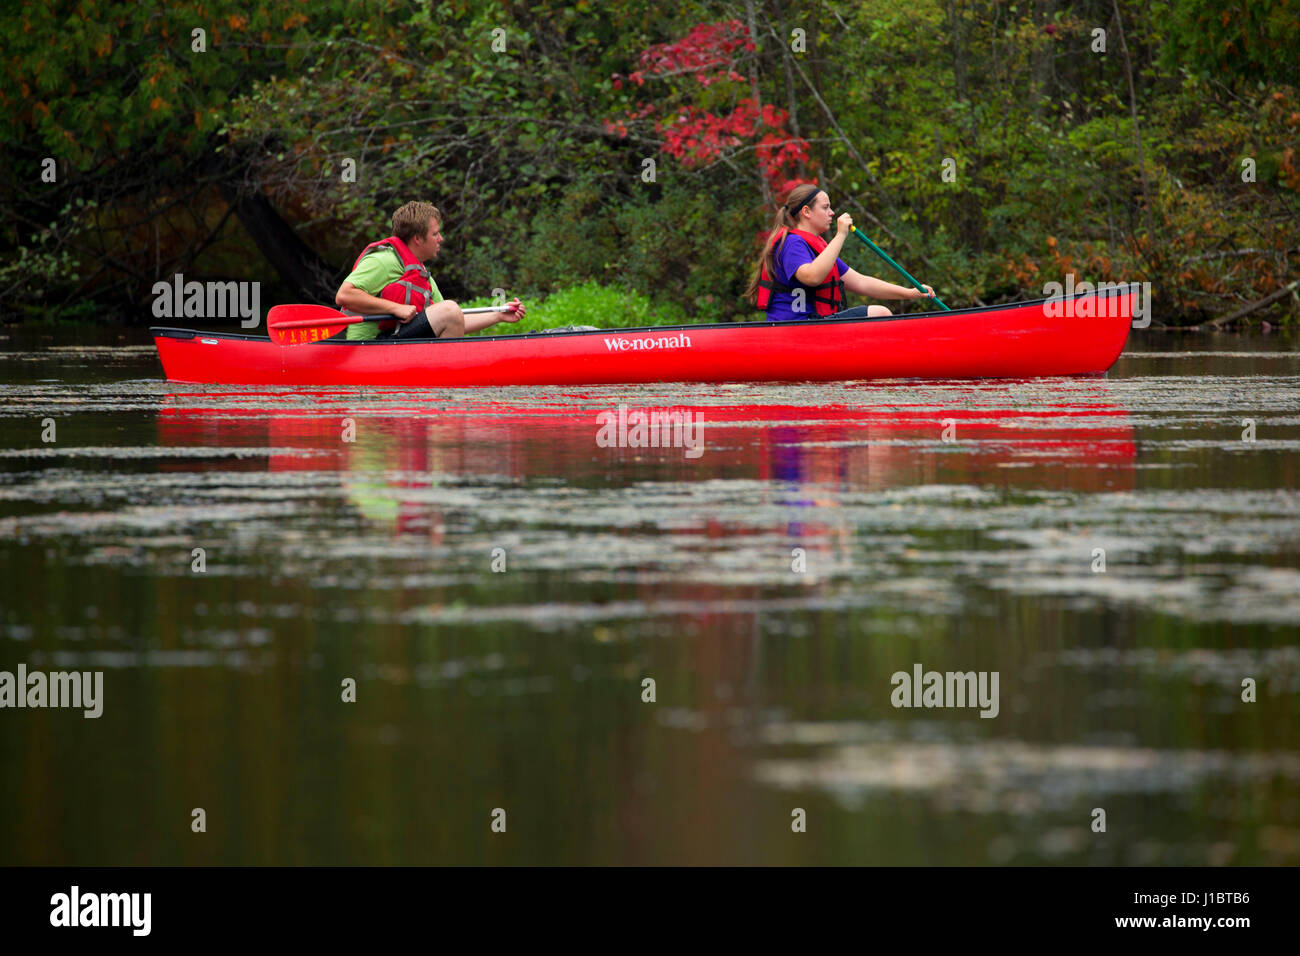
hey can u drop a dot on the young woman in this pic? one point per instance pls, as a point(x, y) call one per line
point(800, 275)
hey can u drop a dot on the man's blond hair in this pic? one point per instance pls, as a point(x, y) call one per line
point(413, 220)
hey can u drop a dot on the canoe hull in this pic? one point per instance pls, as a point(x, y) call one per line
point(1021, 340)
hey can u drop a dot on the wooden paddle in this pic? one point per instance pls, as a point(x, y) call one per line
point(881, 252)
point(304, 324)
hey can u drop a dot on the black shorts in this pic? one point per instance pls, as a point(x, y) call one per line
point(417, 328)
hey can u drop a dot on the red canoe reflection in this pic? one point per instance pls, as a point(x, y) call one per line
point(1078, 446)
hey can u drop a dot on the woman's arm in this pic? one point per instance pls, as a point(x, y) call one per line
point(814, 273)
point(875, 288)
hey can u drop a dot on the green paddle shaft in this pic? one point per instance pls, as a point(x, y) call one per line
point(881, 252)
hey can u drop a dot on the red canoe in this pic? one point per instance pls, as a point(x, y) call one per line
point(1080, 335)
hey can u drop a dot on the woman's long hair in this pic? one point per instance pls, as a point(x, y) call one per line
point(787, 217)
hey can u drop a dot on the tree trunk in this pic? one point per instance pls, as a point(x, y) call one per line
point(792, 105)
point(752, 24)
point(1244, 311)
point(308, 276)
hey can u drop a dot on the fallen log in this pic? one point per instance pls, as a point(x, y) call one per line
point(1245, 310)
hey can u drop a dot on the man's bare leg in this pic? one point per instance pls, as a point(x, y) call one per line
point(446, 319)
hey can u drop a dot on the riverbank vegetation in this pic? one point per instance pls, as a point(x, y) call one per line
point(991, 147)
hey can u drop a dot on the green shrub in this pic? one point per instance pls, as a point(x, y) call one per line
point(591, 303)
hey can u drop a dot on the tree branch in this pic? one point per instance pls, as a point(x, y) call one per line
point(1245, 310)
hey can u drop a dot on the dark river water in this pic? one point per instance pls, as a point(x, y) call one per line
point(500, 578)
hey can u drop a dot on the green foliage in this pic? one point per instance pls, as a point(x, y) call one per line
point(605, 307)
point(1052, 172)
point(121, 98)
point(1051, 166)
point(433, 110)
point(670, 247)
point(124, 77)
point(1245, 39)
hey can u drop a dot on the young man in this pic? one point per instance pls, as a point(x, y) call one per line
point(389, 278)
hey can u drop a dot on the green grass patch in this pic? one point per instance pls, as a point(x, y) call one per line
point(605, 307)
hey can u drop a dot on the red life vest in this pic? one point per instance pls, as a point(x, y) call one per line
point(826, 297)
point(412, 287)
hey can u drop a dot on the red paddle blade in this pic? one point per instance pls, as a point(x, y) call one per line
point(305, 336)
point(304, 324)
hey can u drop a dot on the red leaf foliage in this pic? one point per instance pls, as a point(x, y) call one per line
point(696, 137)
point(705, 52)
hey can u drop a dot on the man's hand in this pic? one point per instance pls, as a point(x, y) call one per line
point(403, 313)
point(517, 311)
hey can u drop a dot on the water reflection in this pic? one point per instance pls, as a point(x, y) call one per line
point(793, 449)
point(352, 533)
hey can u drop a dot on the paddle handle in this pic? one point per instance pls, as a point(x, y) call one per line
point(382, 318)
point(881, 252)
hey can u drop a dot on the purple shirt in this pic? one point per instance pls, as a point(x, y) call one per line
point(795, 253)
